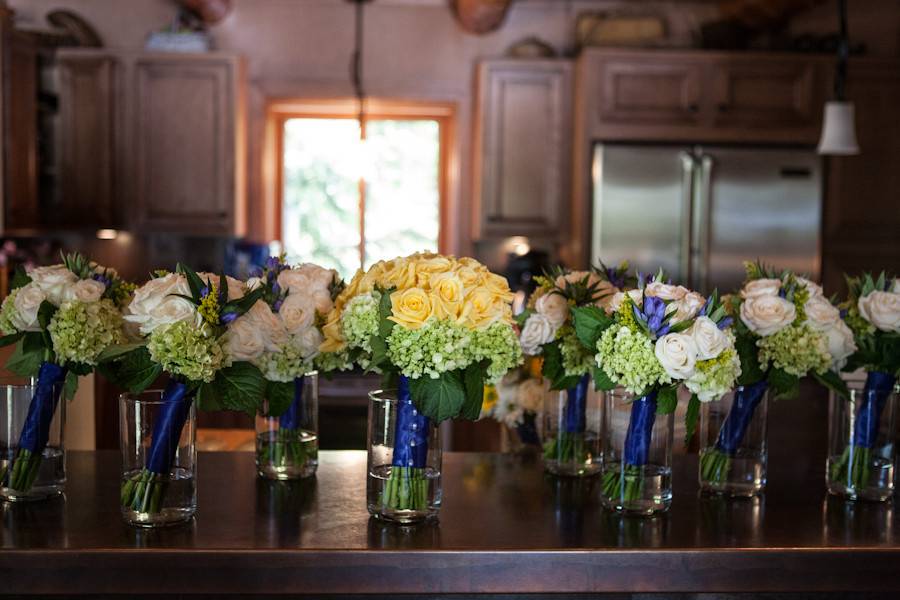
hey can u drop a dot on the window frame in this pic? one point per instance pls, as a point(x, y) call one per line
point(280, 111)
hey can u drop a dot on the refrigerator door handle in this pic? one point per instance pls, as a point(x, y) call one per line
point(703, 218)
point(688, 168)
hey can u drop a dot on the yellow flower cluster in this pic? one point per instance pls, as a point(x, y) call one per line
point(428, 285)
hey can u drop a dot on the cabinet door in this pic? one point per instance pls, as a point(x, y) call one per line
point(186, 112)
point(20, 132)
point(522, 144)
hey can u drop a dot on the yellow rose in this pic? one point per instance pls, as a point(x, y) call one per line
point(400, 273)
point(473, 264)
point(410, 308)
point(429, 265)
point(498, 286)
point(470, 277)
point(447, 291)
point(484, 309)
point(334, 340)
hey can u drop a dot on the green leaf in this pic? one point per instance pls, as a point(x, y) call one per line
point(70, 386)
point(602, 380)
point(385, 325)
point(439, 399)
point(45, 314)
point(20, 279)
point(244, 303)
point(134, 371)
point(280, 396)
point(590, 323)
point(33, 341)
point(79, 369)
point(785, 385)
point(667, 400)
point(554, 370)
point(833, 382)
point(690, 419)
point(522, 317)
point(24, 362)
point(10, 339)
point(751, 372)
point(114, 352)
point(195, 284)
point(240, 387)
point(206, 398)
point(473, 381)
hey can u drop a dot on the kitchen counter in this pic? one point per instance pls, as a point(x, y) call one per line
point(505, 527)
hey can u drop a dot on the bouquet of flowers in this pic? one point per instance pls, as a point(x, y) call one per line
point(518, 400)
point(873, 313)
point(785, 330)
point(61, 318)
point(184, 323)
point(438, 328)
point(280, 334)
point(548, 330)
point(659, 336)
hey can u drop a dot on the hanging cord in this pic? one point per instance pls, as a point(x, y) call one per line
point(356, 63)
point(843, 52)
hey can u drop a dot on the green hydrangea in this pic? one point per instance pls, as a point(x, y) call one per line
point(576, 359)
point(434, 348)
point(796, 349)
point(499, 344)
point(7, 310)
point(80, 331)
point(715, 377)
point(628, 359)
point(285, 365)
point(333, 361)
point(184, 349)
point(359, 321)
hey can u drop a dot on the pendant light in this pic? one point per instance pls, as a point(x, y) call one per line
point(356, 79)
point(839, 127)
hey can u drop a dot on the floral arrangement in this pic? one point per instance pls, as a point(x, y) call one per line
point(659, 336)
point(438, 328)
point(872, 311)
point(183, 323)
point(786, 329)
point(518, 399)
point(61, 318)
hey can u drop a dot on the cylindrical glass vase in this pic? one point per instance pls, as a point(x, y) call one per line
point(157, 436)
point(637, 454)
point(404, 463)
point(733, 440)
point(861, 436)
point(287, 446)
point(32, 440)
point(572, 430)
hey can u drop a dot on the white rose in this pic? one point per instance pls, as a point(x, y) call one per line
point(761, 287)
point(297, 312)
point(820, 313)
point(320, 277)
point(538, 330)
point(765, 315)
point(881, 309)
point(554, 307)
point(708, 338)
point(841, 344)
point(270, 327)
point(27, 303)
point(154, 304)
point(253, 283)
point(677, 354)
point(686, 308)
point(665, 291)
point(244, 340)
point(321, 299)
point(53, 281)
point(86, 290)
point(616, 301)
point(531, 395)
point(295, 280)
point(896, 289)
point(812, 287)
point(308, 342)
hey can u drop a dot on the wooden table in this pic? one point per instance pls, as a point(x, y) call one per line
point(505, 527)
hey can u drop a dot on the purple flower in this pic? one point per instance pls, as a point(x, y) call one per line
point(844, 312)
point(725, 323)
point(276, 289)
point(228, 317)
point(615, 278)
point(256, 272)
point(106, 281)
point(654, 315)
point(642, 280)
point(276, 306)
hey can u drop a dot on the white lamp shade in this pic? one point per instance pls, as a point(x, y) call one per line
point(839, 130)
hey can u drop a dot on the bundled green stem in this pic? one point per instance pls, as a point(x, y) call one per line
point(144, 492)
point(853, 468)
point(25, 468)
point(626, 483)
point(286, 448)
point(406, 489)
point(568, 447)
point(715, 466)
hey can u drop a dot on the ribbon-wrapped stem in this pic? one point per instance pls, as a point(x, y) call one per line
point(715, 463)
point(527, 430)
point(407, 486)
point(854, 467)
point(287, 448)
point(36, 430)
point(625, 482)
point(569, 444)
point(144, 492)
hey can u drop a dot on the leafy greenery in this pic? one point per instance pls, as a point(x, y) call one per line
point(602, 380)
point(785, 385)
point(667, 400)
point(280, 395)
point(590, 323)
point(554, 370)
point(439, 399)
point(690, 419)
point(134, 371)
point(240, 387)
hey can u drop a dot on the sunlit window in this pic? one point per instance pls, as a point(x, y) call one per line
point(347, 204)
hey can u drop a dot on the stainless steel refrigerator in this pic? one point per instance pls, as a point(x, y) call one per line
point(699, 212)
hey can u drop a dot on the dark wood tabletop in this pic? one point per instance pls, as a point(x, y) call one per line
point(505, 527)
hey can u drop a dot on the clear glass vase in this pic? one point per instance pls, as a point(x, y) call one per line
point(861, 433)
point(733, 439)
point(287, 446)
point(157, 435)
point(637, 454)
point(572, 420)
point(404, 462)
point(32, 436)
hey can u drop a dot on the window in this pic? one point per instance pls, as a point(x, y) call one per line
point(346, 205)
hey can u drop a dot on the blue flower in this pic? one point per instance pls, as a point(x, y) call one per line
point(653, 316)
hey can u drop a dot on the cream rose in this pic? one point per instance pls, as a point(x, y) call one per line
point(604, 293)
point(27, 303)
point(295, 280)
point(686, 308)
point(235, 286)
point(881, 309)
point(820, 313)
point(616, 301)
point(270, 326)
point(761, 287)
point(86, 290)
point(244, 340)
point(537, 331)
point(297, 312)
point(320, 277)
point(708, 338)
point(812, 287)
point(765, 315)
point(411, 308)
point(896, 289)
point(308, 342)
point(665, 291)
point(53, 281)
point(841, 344)
point(677, 354)
point(531, 395)
point(554, 307)
point(154, 304)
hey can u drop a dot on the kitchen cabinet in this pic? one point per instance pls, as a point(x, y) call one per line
point(523, 147)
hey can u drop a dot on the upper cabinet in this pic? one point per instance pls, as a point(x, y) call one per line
point(523, 147)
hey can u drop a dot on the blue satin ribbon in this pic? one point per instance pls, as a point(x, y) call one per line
point(879, 386)
point(176, 404)
point(734, 428)
point(527, 430)
point(576, 406)
point(36, 429)
point(294, 416)
point(640, 430)
point(410, 431)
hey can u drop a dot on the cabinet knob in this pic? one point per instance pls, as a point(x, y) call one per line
point(723, 107)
